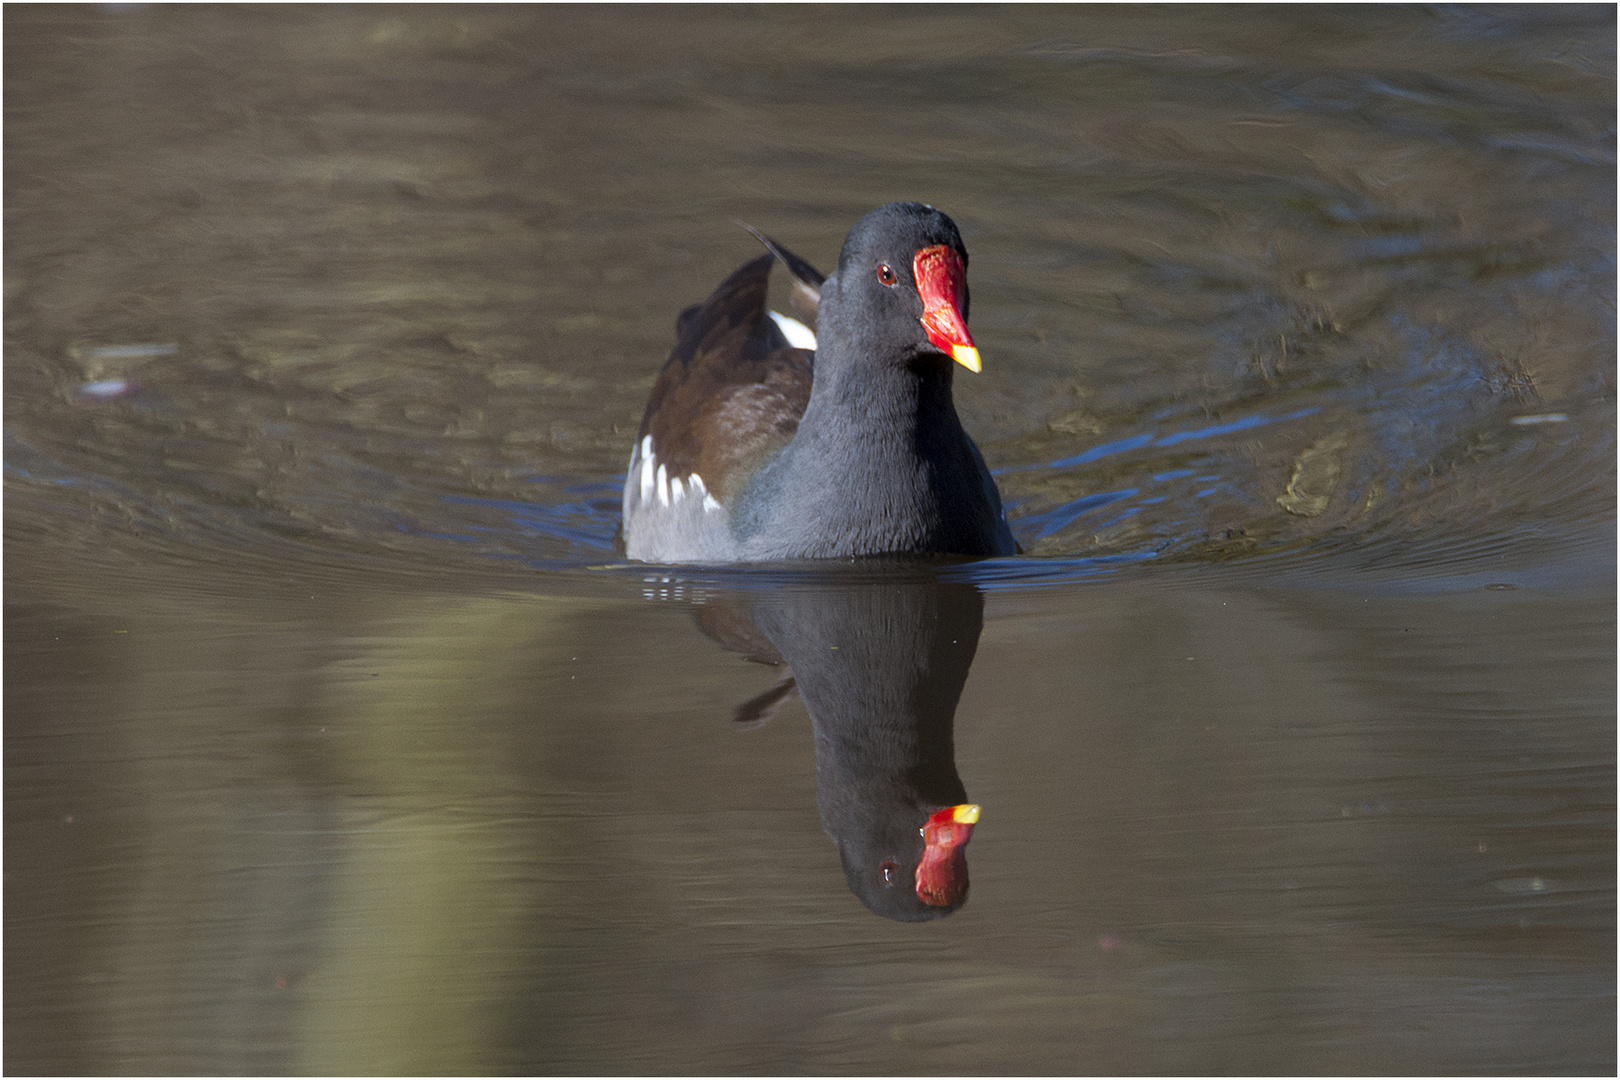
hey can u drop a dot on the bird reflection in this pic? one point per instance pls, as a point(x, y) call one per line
point(880, 664)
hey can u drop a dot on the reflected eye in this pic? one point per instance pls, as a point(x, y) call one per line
point(888, 868)
point(886, 274)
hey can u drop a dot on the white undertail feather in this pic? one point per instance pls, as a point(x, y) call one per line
point(798, 335)
point(663, 485)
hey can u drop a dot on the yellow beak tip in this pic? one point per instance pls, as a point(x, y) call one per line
point(967, 814)
point(968, 357)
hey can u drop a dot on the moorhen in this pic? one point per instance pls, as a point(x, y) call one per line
point(880, 662)
point(765, 440)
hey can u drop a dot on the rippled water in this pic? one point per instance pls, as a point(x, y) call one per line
point(340, 739)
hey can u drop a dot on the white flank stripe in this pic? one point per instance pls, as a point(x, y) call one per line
point(647, 472)
point(700, 488)
point(677, 490)
point(663, 485)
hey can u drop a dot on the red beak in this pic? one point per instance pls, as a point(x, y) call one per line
point(942, 283)
point(942, 873)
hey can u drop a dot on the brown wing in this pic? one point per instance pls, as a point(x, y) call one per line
point(730, 394)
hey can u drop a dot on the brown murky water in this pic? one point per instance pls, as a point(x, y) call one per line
point(339, 740)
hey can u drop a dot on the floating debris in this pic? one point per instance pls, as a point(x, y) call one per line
point(1316, 474)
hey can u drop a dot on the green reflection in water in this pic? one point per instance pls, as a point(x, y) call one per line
point(416, 954)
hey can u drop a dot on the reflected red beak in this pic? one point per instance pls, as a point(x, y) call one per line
point(942, 873)
point(942, 283)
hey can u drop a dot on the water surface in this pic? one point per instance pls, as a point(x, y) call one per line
point(340, 739)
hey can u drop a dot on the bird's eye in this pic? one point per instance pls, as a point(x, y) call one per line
point(886, 274)
point(889, 867)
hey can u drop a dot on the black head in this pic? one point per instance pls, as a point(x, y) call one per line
point(896, 232)
point(901, 286)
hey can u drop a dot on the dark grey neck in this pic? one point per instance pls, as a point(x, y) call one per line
point(878, 447)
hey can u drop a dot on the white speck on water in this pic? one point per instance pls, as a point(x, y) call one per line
point(105, 388)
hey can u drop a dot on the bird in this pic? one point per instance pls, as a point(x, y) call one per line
point(879, 657)
point(880, 665)
point(833, 435)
